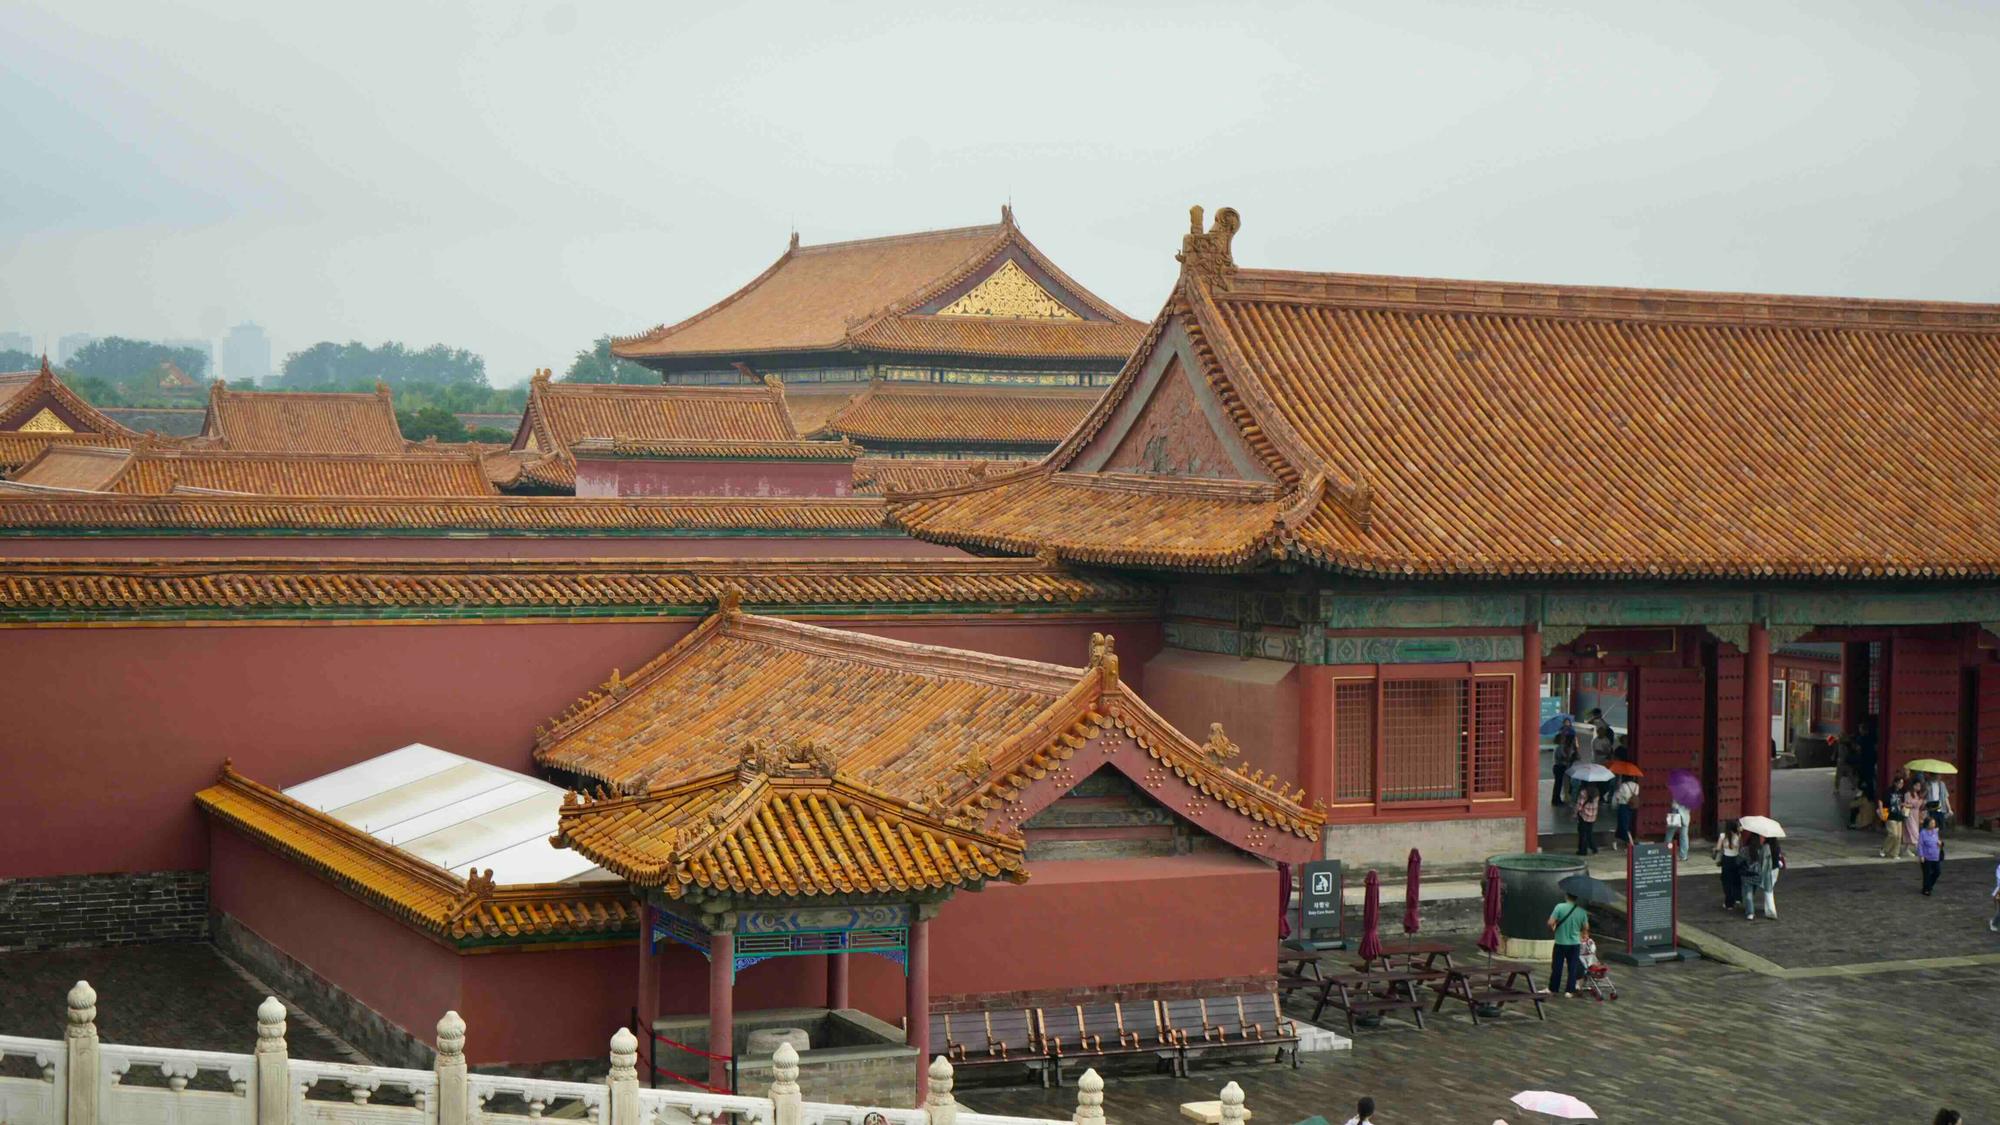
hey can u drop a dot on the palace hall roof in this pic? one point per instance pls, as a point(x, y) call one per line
point(261, 589)
point(664, 449)
point(158, 472)
point(954, 414)
point(957, 736)
point(39, 402)
point(975, 291)
point(560, 415)
point(18, 448)
point(911, 474)
point(1404, 427)
point(303, 421)
point(458, 910)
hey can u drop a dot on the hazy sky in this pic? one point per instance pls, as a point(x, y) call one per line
point(518, 176)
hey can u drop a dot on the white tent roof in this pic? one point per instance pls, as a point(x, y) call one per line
point(454, 812)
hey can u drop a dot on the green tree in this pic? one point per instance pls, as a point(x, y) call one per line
point(327, 365)
point(491, 436)
point(96, 391)
point(13, 359)
point(429, 422)
point(135, 364)
point(598, 365)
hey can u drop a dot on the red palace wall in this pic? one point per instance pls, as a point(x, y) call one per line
point(886, 546)
point(713, 478)
point(129, 723)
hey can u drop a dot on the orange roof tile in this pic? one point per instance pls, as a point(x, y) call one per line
point(24, 394)
point(303, 421)
point(673, 450)
point(500, 515)
point(1427, 428)
point(884, 475)
point(157, 472)
point(811, 404)
point(956, 733)
point(460, 911)
point(938, 413)
point(880, 294)
point(561, 414)
point(17, 449)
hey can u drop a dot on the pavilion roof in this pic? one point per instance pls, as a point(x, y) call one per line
point(980, 291)
point(1404, 427)
point(911, 474)
point(938, 413)
point(459, 910)
point(560, 415)
point(303, 421)
point(158, 472)
point(954, 733)
point(25, 394)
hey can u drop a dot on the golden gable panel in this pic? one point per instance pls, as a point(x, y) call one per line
point(1009, 292)
point(45, 422)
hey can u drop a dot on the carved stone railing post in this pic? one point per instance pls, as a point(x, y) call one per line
point(274, 1065)
point(83, 1069)
point(623, 1080)
point(940, 1106)
point(787, 1103)
point(1090, 1099)
point(454, 1096)
point(1233, 1112)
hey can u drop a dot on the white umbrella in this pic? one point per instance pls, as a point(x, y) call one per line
point(1590, 771)
point(1553, 1104)
point(1763, 826)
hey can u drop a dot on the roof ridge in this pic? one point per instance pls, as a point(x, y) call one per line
point(936, 234)
point(901, 654)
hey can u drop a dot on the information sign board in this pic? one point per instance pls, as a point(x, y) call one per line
point(1320, 895)
point(1650, 919)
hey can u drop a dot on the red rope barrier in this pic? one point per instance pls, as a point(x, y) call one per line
point(658, 1038)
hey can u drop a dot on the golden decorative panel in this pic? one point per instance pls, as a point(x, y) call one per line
point(46, 422)
point(1009, 292)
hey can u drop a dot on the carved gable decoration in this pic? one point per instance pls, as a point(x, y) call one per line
point(45, 422)
point(1009, 292)
point(1172, 436)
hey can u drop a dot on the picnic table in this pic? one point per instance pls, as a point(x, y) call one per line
point(1298, 968)
point(1372, 992)
point(1500, 983)
point(1430, 951)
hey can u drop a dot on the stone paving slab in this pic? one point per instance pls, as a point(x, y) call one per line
point(181, 995)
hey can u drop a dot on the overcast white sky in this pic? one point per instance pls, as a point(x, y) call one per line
point(518, 176)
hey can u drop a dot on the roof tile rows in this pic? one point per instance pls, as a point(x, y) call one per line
point(25, 394)
point(498, 515)
point(158, 472)
point(302, 421)
point(948, 414)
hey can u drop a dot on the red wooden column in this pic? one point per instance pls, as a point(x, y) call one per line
point(918, 999)
point(721, 1004)
point(1757, 721)
point(649, 987)
point(1316, 733)
point(1528, 770)
point(836, 981)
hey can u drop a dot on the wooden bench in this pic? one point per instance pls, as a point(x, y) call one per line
point(1496, 985)
point(1260, 1020)
point(1010, 1035)
point(1101, 1031)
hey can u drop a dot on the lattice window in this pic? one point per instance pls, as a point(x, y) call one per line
point(1425, 736)
point(1492, 708)
point(1354, 740)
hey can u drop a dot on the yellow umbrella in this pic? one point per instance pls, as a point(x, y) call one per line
point(1930, 765)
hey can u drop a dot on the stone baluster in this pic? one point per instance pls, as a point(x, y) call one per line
point(273, 1071)
point(454, 1097)
point(623, 1081)
point(1090, 1099)
point(939, 1105)
point(80, 1044)
point(1233, 1112)
point(787, 1103)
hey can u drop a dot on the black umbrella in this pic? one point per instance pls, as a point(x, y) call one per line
point(1588, 890)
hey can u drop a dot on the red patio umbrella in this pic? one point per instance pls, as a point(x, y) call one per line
point(1411, 900)
point(1489, 938)
point(1284, 901)
point(1371, 917)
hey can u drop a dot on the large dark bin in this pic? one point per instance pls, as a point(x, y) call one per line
point(1528, 893)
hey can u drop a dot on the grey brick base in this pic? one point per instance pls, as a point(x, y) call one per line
point(63, 911)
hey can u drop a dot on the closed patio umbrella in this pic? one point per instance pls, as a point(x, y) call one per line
point(1284, 901)
point(1411, 899)
point(1489, 938)
point(1371, 917)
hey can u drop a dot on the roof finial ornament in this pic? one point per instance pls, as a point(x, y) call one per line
point(381, 388)
point(795, 239)
point(1206, 255)
point(1219, 745)
point(730, 602)
point(1104, 658)
point(45, 364)
point(541, 375)
point(1007, 213)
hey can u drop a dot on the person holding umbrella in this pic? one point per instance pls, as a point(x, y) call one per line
point(1586, 817)
point(1570, 923)
point(1750, 862)
point(1728, 854)
point(1625, 804)
point(1684, 791)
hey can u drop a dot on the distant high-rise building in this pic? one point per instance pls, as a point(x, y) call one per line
point(246, 353)
point(17, 342)
point(205, 347)
point(68, 346)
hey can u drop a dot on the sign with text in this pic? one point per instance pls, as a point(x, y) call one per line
point(1649, 881)
point(1320, 894)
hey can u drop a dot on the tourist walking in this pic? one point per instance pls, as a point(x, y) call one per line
point(1892, 818)
point(1586, 818)
point(1570, 923)
point(1728, 852)
point(1773, 866)
point(1937, 798)
point(1564, 759)
point(1678, 816)
point(1751, 857)
point(1913, 812)
point(1364, 1112)
point(1625, 806)
point(1930, 852)
point(1600, 736)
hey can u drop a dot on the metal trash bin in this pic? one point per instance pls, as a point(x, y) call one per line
point(1528, 893)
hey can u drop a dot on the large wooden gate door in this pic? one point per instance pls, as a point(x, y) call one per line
point(1986, 763)
point(1667, 735)
point(1923, 703)
point(1725, 774)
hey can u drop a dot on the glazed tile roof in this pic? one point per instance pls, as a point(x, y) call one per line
point(811, 404)
point(937, 413)
point(1422, 427)
point(496, 515)
point(676, 450)
point(17, 449)
point(880, 294)
point(24, 394)
point(303, 421)
point(559, 415)
point(157, 472)
point(460, 911)
point(883, 475)
point(769, 827)
point(43, 590)
point(955, 733)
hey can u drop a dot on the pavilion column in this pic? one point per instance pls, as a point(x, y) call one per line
point(648, 1006)
point(918, 999)
point(1529, 769)
point(1757, 721)
point(721, 1001)
point(836, 981)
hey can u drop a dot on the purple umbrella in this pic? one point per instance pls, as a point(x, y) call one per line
point(1489, 938)
point(1410, 898)
point(1685, 788)
point(1371, 918)
point(1284, 901)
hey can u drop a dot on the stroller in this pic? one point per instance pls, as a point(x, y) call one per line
point(1596, 974)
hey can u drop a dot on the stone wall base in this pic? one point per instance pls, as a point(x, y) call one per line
point(1385, 845)
point(63, 911)
point(1094, 994)
point(369, 1031)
